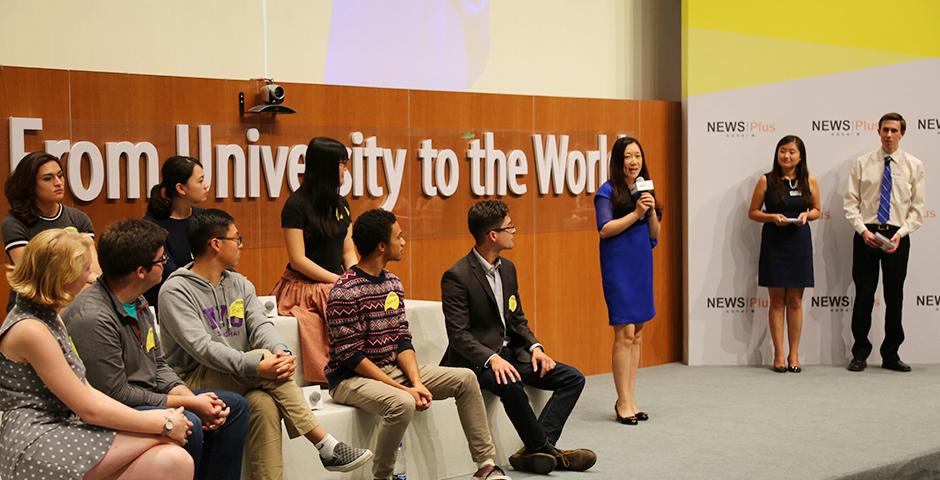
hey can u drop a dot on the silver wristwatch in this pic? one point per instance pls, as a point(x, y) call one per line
point(168, 426)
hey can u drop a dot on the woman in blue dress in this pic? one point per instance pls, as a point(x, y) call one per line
point(629, 229)
point(790, 199)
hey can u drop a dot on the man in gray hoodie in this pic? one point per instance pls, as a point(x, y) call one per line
point(216, 335)
point(113, 330)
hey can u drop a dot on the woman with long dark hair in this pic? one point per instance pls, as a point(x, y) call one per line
point(55, 425)
point(316, 221)
point(172, 203)
point(789, 196)
point(629, 229)
point(35, 191)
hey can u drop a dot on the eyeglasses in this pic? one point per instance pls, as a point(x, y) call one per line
point(238, 239)
point(511, 228)
point(160, 261)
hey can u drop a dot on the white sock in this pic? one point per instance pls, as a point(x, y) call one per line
point(326, 446)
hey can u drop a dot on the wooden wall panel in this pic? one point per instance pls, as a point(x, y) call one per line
point(658, 122)
point(556, 247)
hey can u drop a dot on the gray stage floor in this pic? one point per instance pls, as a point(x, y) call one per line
point(751, 423)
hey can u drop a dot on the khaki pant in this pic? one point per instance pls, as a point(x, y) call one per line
point(397, 408)
point(269, 401)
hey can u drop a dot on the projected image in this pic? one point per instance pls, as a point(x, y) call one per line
point(419, 44)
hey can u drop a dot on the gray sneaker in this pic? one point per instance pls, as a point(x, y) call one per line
point(346, 458)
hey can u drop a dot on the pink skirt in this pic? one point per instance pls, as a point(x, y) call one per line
point(305, 300)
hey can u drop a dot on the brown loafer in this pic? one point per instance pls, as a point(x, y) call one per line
point(577, 460)
point(533, 462)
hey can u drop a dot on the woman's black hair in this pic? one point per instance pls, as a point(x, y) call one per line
point(620, 200)
point(20, 187)
point(320, 188)
point(775, 177)
point(176, 169)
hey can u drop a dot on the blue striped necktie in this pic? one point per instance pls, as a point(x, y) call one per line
point(884, 206)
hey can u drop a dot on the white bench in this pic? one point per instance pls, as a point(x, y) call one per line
point(435, 446)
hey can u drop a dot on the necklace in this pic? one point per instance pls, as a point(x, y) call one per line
point(793, 183)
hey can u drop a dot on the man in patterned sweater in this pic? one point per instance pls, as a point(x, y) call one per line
point(372, 362)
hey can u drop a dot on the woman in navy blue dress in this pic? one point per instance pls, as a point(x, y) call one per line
point(790, 199)
point(629, 229)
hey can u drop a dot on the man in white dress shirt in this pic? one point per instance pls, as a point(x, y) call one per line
point(885, 197)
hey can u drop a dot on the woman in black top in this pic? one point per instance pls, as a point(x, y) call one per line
point(172, 204)
point(790, 197)
point(35, 191)
point(316, 223)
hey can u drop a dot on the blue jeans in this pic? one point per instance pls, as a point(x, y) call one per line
point(222, 449)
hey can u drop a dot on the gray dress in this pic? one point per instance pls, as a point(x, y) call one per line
point(40, 438)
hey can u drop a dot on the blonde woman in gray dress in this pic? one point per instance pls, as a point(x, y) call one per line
point(55, 425)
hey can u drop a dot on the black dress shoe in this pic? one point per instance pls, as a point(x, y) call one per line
point(857, 365)
point(777, 369)
point(897, 366)
point(642, 416)
point(795, 369)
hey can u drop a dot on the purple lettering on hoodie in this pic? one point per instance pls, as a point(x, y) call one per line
point(210, 315)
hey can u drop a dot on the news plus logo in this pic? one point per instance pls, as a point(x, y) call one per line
point(929, 125)
point(928, 302)
point(843, 127)
point(737, 304)
point(836, 303)
point(739, 128)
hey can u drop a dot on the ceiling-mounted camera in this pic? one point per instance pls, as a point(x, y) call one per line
point(272, 94)
point(272, 98)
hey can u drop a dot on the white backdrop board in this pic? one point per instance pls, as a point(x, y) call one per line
point(731, 139)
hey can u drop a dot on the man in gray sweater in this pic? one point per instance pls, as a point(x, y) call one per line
point(216, 335)
point(113, 330)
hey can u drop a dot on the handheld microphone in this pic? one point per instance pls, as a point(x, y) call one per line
point(640, 186)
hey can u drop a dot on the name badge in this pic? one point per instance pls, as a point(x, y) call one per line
point(796, 193)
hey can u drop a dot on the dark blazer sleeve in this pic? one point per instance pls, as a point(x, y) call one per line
point(456, 304)
point(516, 319)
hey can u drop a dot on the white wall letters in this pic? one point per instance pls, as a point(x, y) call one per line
point(374, 170)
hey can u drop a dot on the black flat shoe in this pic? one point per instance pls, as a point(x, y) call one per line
point(632, 420)
point(795, 369)
point(777, 369)
point(627, 420)
point(642, 416)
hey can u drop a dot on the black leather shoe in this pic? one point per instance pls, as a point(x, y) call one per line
point(631, 420)
point(897, 366)
point(777, 369)
point(795, 369)
point(533, 462)
point(642, 416)
point(857, 365)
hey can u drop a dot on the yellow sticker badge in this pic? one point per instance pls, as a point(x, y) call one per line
point(513, 303)
point(151, 343)
point(391, 301)
point(73, 348)
point(237, 309)
point(70, 229)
